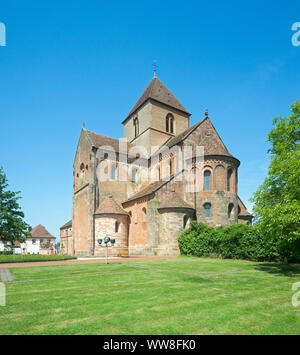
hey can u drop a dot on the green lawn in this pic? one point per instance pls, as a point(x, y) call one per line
point(146, 297)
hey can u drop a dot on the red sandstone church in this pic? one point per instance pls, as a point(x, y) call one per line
point(145, 216)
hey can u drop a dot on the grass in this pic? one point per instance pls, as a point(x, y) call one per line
point(144, 297)
point(32, 258)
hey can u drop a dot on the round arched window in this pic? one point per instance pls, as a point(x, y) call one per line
point(207, 210)
point(206, 180)
point(82, 168)
point(230, 209)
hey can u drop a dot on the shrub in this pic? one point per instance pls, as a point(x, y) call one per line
point(238, 241)
point(6, 252)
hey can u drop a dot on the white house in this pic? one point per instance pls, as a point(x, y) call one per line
point(39, 242)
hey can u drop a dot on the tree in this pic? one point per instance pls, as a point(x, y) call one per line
point(12, 225)
point(277, 201)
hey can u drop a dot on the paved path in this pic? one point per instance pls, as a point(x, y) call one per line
point(6, 275)
point(77, 262)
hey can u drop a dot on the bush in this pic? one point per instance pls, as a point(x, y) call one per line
point(6, 252)
point(238, 241)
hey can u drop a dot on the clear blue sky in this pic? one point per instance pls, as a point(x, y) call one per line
point(67, 62)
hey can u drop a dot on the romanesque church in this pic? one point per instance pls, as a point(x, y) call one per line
point(147, 210)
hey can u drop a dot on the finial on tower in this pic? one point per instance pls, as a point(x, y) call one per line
point(206, 113)
point(83, 125)
point(155, 66)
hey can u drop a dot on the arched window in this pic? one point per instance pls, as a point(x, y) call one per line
point(82, 168)
point(169, 123)
point(229, 174)
point(144, 214)
point(186, 221)
point(207, 212)
point(136, 126)
point(117, 226)
point(113, 172)
point(172, 124)
point(239, 209)
point(206, 180)
point(230, 209)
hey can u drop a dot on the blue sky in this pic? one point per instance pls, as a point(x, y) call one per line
point(66, 63)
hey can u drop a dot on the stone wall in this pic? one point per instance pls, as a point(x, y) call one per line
point(171, 225)
point(106, 226)
point(66, 241)
point(83, 197)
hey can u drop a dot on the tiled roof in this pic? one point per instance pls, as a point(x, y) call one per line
point(40, 232)
point(180, 137)
point(156, 90)
point(243, 208)
point(147, 190)
point(174, 201)
point(110, 206)
point(99, 140)
point(67, 225)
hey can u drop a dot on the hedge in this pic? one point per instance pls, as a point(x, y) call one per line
point(238, 241)
point(33, 258)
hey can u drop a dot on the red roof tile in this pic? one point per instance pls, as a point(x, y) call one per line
point(148, 190)
point(174, 201)
point(110, 206)
point(41, 232)
point(157, 91)
point(99, 140)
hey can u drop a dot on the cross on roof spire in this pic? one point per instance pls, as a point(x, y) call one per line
point(155, 66)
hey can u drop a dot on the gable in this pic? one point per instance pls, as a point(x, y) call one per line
point(84, 145)
point(204, 134)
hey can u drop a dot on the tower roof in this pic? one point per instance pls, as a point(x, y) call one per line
point(110, 206)
point(174, 201)
point(157, 91)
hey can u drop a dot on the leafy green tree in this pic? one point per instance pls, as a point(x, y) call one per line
point(12, 224)
point(277, 201)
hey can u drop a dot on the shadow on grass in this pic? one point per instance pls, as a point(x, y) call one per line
point(287, 270)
